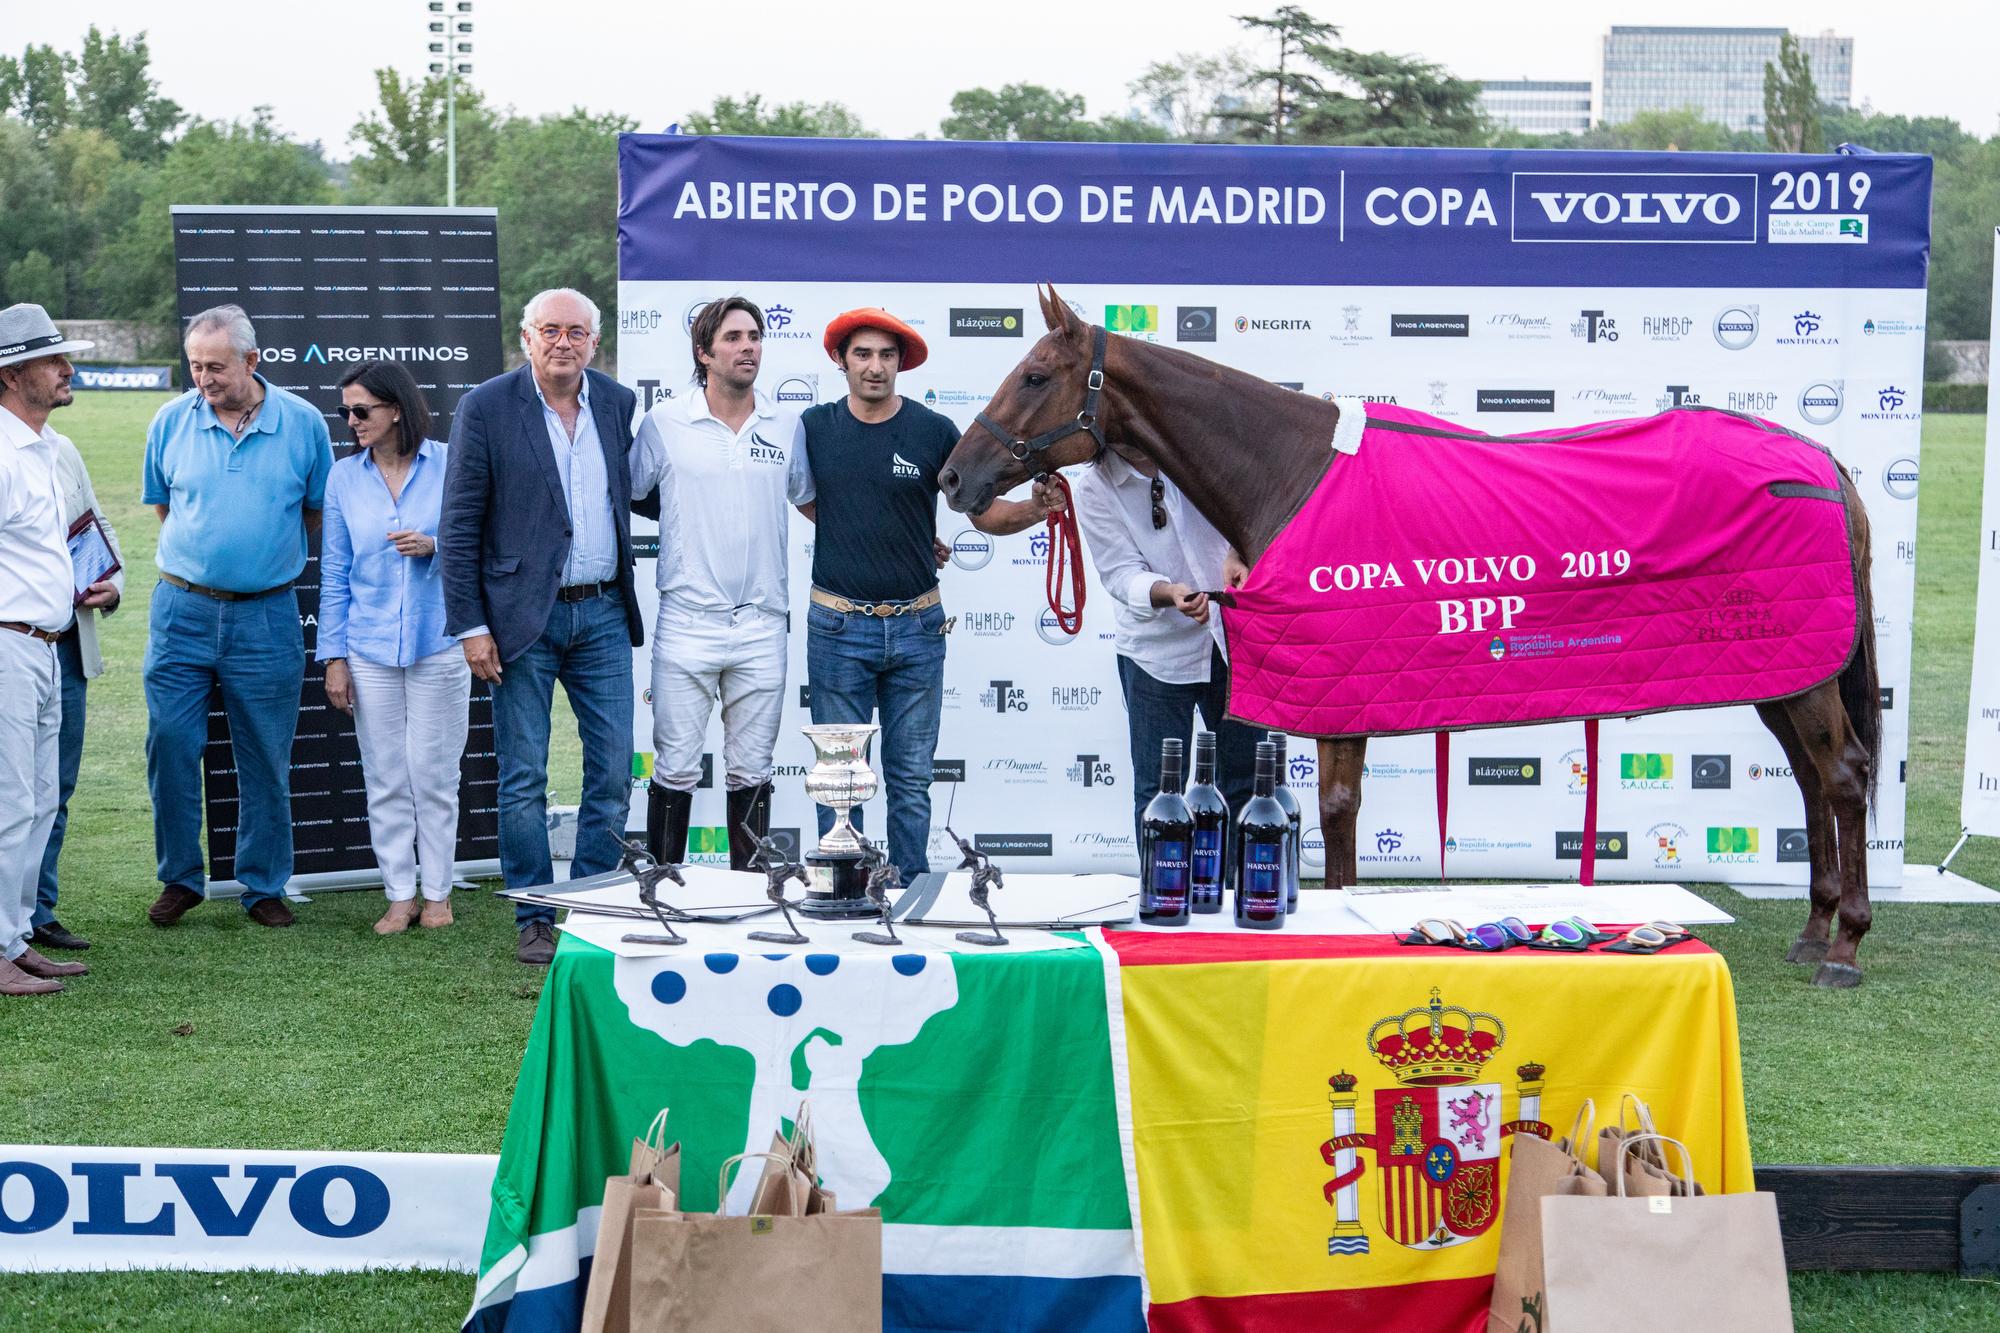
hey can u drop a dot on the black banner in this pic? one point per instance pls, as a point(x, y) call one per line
point(326, 289)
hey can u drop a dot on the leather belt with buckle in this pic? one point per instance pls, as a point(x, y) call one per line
point(583, 592)
point(835, 602)
point(220, 594)
point(30, 631)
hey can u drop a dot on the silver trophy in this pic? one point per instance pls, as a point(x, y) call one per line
point(840, 779)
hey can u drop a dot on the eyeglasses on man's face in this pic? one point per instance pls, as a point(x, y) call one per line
point(556, 334)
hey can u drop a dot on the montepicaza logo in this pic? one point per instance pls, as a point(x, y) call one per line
point(985, 322)
point(1806, 332)
point(1709, 772)
point(1389, 850)
point(1732, 846)
point(1132, 319)
point(1482, 771)
point(1646, 772)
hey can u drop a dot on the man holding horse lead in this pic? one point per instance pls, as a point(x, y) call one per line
point(875, 629)
point(1156, 555)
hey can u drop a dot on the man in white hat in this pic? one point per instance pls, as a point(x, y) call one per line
point(37, 601)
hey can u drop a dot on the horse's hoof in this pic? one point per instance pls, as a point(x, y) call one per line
point(1838, 976)
point(1807, 951)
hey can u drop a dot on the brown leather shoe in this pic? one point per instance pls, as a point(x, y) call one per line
point(37, 966)
point(13, 981)
point(173, 903)
point(537, 947)
point(437, 912)
point(272, 912)
point(399, 917)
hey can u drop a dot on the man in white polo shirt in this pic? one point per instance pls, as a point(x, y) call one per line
point(1157, 557)
point(726, 463)
point(37, 600)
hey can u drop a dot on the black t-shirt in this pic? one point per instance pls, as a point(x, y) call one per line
point(877, 488)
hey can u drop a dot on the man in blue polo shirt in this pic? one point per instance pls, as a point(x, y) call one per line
point(236, 469)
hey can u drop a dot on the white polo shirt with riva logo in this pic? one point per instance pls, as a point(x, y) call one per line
point(725, 500)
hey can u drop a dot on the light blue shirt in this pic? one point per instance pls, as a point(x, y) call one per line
point(375, 602)
point(593, 545)
point(234, 516)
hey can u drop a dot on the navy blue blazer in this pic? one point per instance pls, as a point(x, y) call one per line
point(505, 530)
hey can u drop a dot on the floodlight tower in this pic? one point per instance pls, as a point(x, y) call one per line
point(451, 39)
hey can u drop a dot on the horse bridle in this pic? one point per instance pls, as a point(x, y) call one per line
point(1086, 422)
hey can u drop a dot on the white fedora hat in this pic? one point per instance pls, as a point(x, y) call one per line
point(28, 334)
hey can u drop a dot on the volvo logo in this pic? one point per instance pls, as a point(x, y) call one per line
point(1820, 402)
point(1736, 327)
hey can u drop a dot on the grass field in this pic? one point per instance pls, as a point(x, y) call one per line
point(223, 1033)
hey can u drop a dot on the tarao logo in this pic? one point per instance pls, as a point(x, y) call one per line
point(1003, 697)
point(1595, 326)
point(1090, 770)
point(1635, 207)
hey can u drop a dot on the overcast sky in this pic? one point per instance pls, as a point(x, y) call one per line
point(898, 65)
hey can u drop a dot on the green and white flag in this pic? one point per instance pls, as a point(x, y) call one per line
point(969, 1098)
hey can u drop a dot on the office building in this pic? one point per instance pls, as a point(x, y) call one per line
point(1717, 71)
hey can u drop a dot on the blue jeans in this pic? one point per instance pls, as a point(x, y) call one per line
point(256, 652)
point(589, 649)
point(1155, 710)
point(70, 655)
point(857, 665)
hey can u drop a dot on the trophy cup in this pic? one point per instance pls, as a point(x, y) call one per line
point(839, 779)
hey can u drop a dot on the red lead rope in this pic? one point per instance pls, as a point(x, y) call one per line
point(1065, 560)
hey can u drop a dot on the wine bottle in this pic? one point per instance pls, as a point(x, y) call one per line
point(1290, 802)
point(1211, 829)
point(1166, 848)
point(1261, 832)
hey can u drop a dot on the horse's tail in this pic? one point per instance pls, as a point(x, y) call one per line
point(1860, 687)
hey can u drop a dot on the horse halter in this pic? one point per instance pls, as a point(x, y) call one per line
point(1086, 422)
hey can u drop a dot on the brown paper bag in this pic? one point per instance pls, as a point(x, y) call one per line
point(653, 1182)
point(1646, 1172)
point(1537, 1170)
point(712, 1273)
point(1663, 1263)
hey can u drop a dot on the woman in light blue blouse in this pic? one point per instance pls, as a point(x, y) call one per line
point(381, 634)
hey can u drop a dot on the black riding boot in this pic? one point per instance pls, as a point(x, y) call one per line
point(749, 809)
point(667, 823)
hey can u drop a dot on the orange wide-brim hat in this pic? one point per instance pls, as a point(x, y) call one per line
point(915, 352)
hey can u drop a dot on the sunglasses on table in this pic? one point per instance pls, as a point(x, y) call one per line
point(1487, 937)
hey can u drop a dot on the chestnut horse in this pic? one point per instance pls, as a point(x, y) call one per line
point(1247, 453)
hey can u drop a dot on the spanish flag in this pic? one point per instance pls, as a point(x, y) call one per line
point(1321, 1125)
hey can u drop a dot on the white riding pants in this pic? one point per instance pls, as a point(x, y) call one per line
point(699, 656)
point(411, 722)
point(30, 745)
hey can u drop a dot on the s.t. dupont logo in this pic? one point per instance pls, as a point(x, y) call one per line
point(1603, 207)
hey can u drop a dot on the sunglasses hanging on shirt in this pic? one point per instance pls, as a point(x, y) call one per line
point(1159, 504)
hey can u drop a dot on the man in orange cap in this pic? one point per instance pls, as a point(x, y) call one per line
point(875, 629)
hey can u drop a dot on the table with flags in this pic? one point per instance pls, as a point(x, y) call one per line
point(1114, 1129)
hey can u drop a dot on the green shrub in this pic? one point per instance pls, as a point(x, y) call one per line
point(1939, 397)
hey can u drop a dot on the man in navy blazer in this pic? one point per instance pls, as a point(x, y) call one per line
point(536, 543)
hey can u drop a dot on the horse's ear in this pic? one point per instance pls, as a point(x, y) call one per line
point(1052, 306)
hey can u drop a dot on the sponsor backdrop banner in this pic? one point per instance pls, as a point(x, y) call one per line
point(329, 288)
point(218, 1209)
point(1979, 803)
point(1506, 291)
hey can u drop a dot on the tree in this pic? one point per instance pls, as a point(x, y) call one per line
point(402, 141)
point(1396, 102)
point(1030, 113)
point(1791, 102)
point(36, 88)
point(798, 120)
point(1289, 80)
point(555, 182)
point(1940, 136)
point(1965, 202)
point(1192, 95)
point(117, 96)
point(33, 277)
point(241, 162)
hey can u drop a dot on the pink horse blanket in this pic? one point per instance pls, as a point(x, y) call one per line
point(1438, 578)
